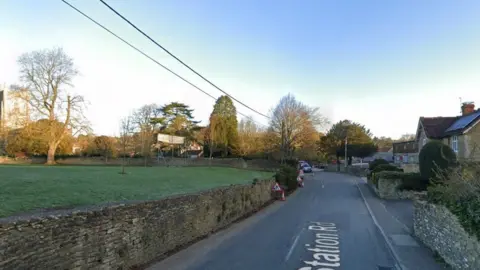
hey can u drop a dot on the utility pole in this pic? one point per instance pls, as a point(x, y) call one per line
point(346, 161)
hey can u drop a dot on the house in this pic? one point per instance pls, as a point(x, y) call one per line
point(461, 133)
point(405, 152)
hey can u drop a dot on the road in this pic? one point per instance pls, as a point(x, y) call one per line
point(325, 225)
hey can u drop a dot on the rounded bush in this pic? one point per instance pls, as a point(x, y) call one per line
point(435, 160)
point(377, 162)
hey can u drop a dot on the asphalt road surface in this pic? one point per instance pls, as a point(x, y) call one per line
point(323, 226)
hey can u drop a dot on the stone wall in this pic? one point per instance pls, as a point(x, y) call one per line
point(124, 235)
point(440, 230)
point(410, 167)
point(388, 189)
point(100, 161)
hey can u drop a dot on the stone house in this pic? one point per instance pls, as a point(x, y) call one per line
point(461, 133)
point(405, 152)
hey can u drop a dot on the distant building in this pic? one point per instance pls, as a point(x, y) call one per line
point(14, 108)
point(405, 152)
point(382, 153)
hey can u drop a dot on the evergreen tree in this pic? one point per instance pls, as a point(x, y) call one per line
point(226, 133)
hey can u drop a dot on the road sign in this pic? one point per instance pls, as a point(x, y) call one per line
point(165, 138)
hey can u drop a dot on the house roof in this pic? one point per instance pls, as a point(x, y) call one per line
point(440, 127)
point(464, 123)
point(435, 127)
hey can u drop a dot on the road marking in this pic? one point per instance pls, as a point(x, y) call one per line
point(396, 258)
point(293, 245)
point(326, 252)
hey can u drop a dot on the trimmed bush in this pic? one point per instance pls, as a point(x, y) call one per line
point(410, 181)
point(413, 181)
point(387, 167)
point(383, 167)
point(376, 162)
point(436, 159)
point(287, 176)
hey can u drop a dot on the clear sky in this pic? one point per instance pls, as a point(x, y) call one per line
point(380, 63)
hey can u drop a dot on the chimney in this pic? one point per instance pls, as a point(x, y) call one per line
point(468, 108)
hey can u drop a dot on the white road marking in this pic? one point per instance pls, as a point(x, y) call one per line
point(326, 252)
point(293, 245)
point(398, 264)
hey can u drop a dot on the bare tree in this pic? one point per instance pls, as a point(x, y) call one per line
point(46, 74)
point(142, 118)
point(406, 137)
point(126, 129)
point(290, 120)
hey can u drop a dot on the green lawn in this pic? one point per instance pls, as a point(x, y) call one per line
point(25, 188)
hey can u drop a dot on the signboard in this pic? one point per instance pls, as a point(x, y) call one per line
point(165, 138)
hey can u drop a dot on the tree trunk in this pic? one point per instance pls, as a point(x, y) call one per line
point(52, 147)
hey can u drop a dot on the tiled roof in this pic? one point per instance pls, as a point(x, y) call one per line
point(435, 126)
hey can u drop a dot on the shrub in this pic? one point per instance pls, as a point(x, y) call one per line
point(287, 176)
point(409, 181)
point(413, 181)
point(459, 191)
point(385, 175)
point(436, 159)
point(376, 162)
point(387, 167)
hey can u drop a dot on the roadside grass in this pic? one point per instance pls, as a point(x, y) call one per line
point(28, 188)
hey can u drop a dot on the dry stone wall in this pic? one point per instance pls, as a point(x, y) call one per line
point(126, 235)
point(441, 231)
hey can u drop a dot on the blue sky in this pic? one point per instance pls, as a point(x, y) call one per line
point(381, 63)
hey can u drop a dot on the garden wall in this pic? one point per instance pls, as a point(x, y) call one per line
point(388, 189)
point(441, 231)
point(124, 235)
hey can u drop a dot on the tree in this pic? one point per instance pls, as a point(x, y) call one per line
point(105, 145)
point(178, 119)
point(226, 130)
point(46, 74)
point(147, 119)
point(34, 137)
point(86, 144)
point(359, 141)
point(406, 138)
point(248, 137)
point(211, 135)
point(383, 142)
point(126, 129)
point(293, 123)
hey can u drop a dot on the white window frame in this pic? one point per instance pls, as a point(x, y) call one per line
point(455, 143)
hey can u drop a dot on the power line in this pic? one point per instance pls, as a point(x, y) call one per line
point(138, 50)
point(172, 55)
point(144, 54)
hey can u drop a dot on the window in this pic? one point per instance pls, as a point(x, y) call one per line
point(424, 141)
point(455, 144)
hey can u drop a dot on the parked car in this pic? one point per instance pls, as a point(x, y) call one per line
point(306, 168)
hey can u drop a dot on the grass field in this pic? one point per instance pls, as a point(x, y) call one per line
point(25, 188)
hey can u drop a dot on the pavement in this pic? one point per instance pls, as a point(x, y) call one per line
point(325, 225)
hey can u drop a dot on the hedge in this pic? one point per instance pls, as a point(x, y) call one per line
point(287, 176)
point(465, 205)
point(410, 181)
